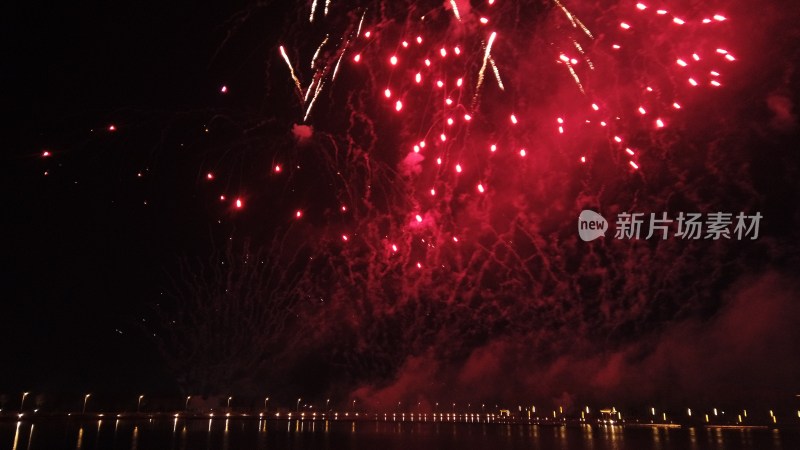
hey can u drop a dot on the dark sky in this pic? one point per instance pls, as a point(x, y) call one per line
point(89, 246)
point(82, 251)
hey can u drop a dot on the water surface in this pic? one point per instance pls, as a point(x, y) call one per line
point(246, 434)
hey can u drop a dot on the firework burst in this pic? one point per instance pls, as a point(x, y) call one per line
point(459, 98)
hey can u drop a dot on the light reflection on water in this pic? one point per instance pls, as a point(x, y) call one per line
point(230, 434)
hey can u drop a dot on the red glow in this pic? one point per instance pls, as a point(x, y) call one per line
point(451, 89)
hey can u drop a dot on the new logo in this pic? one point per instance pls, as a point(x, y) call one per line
point(591, 225)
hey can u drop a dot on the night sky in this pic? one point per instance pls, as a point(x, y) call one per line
point(88, 253)
point(402, 278)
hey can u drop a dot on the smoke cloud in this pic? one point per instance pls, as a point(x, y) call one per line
point(744, 354)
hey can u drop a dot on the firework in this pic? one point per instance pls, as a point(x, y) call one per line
point(427, 64)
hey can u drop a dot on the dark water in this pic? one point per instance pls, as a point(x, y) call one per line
point(219, 434)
